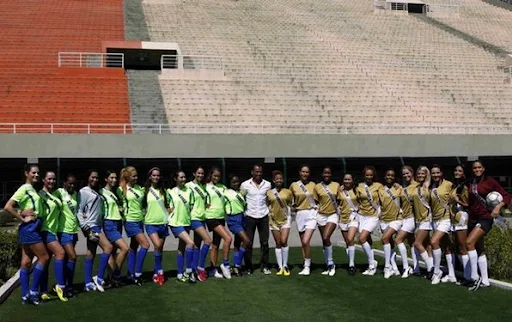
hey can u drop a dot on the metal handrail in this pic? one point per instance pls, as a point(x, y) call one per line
point(192, 62)
point(86, 59)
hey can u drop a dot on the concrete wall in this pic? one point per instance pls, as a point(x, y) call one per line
point(198, 145)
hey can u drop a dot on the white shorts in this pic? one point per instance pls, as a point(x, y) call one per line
point(409, 225)
point(306, 219)
point(368, 223)
point(462, 224)
point(323, 220)
point(395, 225)
point(287, 224)
point(424, 225)
point(444, 225)
point(348, 225)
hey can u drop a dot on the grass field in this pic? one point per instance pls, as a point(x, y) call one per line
point(274, 298)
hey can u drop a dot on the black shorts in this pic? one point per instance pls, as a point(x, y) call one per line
point(484, 224)
point(212, 223)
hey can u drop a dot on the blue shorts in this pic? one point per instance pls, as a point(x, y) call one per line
point(113, 229)
point(29, 233)
point(133, 228)
point(96, 229)
point(194, 224)
point(162, 230)
point(178, 230)
point(67, 238)
point(48, 237)
point(236, 223)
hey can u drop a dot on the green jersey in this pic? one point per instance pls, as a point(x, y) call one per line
point(156, 211)
point(51, 215)
point(181, 200)
point(68, 222)
point(26, 197)
point(201, 199)
point(110, 205)
point(132, 202)
point(217, 201)
point(235, 202)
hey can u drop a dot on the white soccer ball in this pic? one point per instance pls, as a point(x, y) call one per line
point(493, 199)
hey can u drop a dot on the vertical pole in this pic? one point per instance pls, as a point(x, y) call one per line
point(285, 172)
point(223, 163)
point(178, 161)
point(344, 162)
point(124, 162)
point(58, 170)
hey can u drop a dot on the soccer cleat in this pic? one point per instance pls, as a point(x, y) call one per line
point(34, 299)
point(25, 300)
point(326, 271)
point(449, 279)
point(160, 279)
point(202, 276)
point(280, 271)
point(182, 278)
point(70, 292)
point(237, 272)
point(248, 271)
point(45, 297)
point(430, 274)
point(407, 272)
point(436, 278)
point(99, 283)
point(192, 278)
point(217, 274)
point(286, 271)
point(116, 281)
point(332, 270)
point(266, 271)
point(138, 281)
point(352, 271)
point(388, 272)
point(395, 272)
point(225, 271)
point(155, 278)
point(476, 285)
point(60, 293)
point(305, 271)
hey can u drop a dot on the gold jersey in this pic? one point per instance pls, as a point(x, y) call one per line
point(346, 208)
point(390, 198)
point(325, 205)
point(440, 199)
point(366, 207)
point(421, 203)
point(407, 201)
point(456, 209)
point(277, 217)
point(301, 201)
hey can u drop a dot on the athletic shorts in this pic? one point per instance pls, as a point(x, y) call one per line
point(195, 224)
point(368, 223)
point(484, 224)
point(97, 229)
point(176, 231)
point(113, 229)
point(395, 225)
point(213, 223)
point(133, 228)
point(424, 225)
point(68, 239)
point(408, 225)
point(444, 225)
point(322, 220)
point(460, 222)
point(286, 225)
point(348, 225)
point(306, 219)
point(48, 237)
point(162, 230)
point(236, 223)
point(29, 232)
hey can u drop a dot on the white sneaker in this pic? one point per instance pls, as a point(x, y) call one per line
point(407, 272)
point(396, 272)
point(99, 285)
point(332, 270)
point(218, 275)
point(90, 287)
point(436, 278)
point(449, 279)
point(388, 272)
point(226, 271)
point(305, 271)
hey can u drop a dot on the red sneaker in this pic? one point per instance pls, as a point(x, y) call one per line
point(155, 278)
point(161, 279)
point(202, 275)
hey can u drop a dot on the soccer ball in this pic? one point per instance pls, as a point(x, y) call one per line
point(493, 199)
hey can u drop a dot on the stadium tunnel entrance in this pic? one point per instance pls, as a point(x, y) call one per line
point(145, 55)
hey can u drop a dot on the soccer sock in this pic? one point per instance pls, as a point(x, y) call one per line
point(58, 267)
point(236, 255)
point(437, 253)
point(466, 268)
point(387, 255)
point(403, 252)
point(189, 254)
point(36, 278)
point(324, 252)
point(285, 251)
point(449, 262)
point(103, 265)
point(24, 281)
point(279, 257)
point(415, 255)
point(70, 272)
point(179, 261)
point(430, 262)
point(482, 265)
point(369, 254)
point(204, 252)
point(139, 262)
point(351, 254)
point(131, 262)
point(473, 261)
point(241, 253)
point(307, 262)
point(158, 262)
point(393, 260)
point(43, 284)
point(195, 259)
point(424, 256)
point(225, 262)
point(88, 270)
point(328, 251)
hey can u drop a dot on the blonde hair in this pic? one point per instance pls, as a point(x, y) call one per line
point(428, 177)
point(125, 175)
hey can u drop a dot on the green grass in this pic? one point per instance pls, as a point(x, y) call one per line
point(274, 298)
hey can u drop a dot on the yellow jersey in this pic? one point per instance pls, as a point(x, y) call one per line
point(440, 199)
point(277, 216)
point(406, 200)
point(325, 204)
point(366, 206)
point(390, 198)
point(348, 204)
point(456, 210)
point(421, 203)
point(302, 202)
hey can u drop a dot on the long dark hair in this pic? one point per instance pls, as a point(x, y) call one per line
point(89, 172)
point(160, 186)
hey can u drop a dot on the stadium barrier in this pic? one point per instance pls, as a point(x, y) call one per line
point(197, 62)
point(442, 10)
point(94, 60)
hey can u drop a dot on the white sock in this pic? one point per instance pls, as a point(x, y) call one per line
point(387, 255)
point(415, 255)
point(482, 265)
point(473, 261)
point(430, 262)
point(425, 257)
point(369, 253)
point(393, 260)
point(307, 262)
point(285, 251)
point(279, 257)
point(466, 267)
point(403, 252)
point(450, 264)
point(437, 253)
point(351, 254)
point(328, 256)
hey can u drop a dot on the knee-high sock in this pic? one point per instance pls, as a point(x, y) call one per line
point(437, 253)
point(43, 283)
point(482, 265)
point(387, 255)
point(70, 273)
point(424, 256)
point(189, 254)
point(369, 254)
point(139, 262)
point(415, 255)
point(103, 265)
point(58, 267)
point(179, 262)
point(195, 259)
point(279, 257)
point(403, 252)
point(158, 262)
point(393, 260)
point(24, 281)
point(88, 270)
point(450, 263)
point(240, 257)
point(473, 261)
point(466, 267)
point(351, 255)
point(285, 251)
point(202, 257)
point(131, 262)
point(36, 277)
point(236, 254)
point(328, 255)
